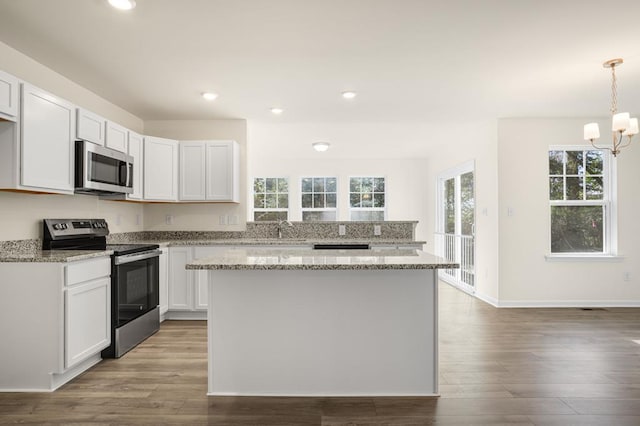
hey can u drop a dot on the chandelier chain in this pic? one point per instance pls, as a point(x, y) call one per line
point(614, 91)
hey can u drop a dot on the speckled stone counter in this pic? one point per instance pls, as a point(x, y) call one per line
point(29, 251)
point(302, 242)
point(301, 259)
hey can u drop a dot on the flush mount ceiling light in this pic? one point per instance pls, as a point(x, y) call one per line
point(210, 96)
point(320, 146)
point(123, 4)
point(622, 125)
point(349, 95)
point(277, 111)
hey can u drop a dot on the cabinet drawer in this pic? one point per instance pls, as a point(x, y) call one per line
point(88, 270)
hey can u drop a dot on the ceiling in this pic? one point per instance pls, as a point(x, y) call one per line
point(409, 60)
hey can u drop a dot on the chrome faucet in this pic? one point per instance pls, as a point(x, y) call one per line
point(280, 226)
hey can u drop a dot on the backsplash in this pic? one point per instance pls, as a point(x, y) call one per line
point(401, 230)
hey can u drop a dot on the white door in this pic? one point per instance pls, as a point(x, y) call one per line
point(47, 149)
point(8, 96)
point(456, 225)
point(160, 169)
point(180, 280)
point(116, 137)
point(192, 171)
point(135, 150)
point(87, 320)
point(90, 127)
point(222, 171)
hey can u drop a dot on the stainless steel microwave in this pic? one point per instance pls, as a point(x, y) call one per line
point(101, 170)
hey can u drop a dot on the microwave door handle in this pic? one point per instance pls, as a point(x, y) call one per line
point(129, 166)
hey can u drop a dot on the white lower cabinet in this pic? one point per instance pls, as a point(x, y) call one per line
point(68, 325)
point(87, 320)
point(164, 282)
point(187, 292)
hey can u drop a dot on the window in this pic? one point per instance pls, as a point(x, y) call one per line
point(270, 199)
point(318, 198)
point(580, 198)
point(367, 198)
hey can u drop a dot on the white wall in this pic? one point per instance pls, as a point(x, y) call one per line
point(526, 278)
point(21, 213)
point(204, 216)
point(358, 149)
point(473, 141)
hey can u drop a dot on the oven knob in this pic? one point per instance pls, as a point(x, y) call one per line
point(64, 226)
point(56, 226)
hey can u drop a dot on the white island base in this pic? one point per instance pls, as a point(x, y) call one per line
point(323, 332)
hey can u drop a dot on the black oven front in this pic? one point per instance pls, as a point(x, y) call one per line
point(135, 314)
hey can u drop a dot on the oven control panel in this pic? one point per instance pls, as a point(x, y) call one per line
point(61, 228)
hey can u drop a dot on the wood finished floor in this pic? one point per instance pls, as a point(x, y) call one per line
point(497, 367)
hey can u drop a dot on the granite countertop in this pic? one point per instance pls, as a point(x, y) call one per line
point(277, 242)
point(282, 259)
point(52, 256)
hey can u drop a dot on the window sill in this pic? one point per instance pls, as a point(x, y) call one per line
point(583, 258)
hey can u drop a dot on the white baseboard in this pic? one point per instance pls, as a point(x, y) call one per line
point(488, 299)
point(568, 304)
point(186, 315)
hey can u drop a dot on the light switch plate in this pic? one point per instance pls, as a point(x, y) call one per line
point(233, 219)
point(342, 230)
point(377, 230)
point(222, 219)
point(168, 219)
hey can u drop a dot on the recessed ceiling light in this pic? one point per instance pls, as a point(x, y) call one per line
point(349, 95)
point(277, 111)
point(210, 96)
point(123, 4)
point(320, 146)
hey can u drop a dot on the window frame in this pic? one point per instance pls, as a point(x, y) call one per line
point(609, 203)
point(315, 209)
point(267, 209)
point(368, 209)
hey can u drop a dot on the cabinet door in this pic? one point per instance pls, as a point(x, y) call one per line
point(160, 169)
point(8, 96)
point(223, 171)
point(117, 137)
point(201, 278)
point(164, 281)
point(90, 127)
point(180, 280)
point(48, 131)
point(135, 150)
point(87, 321)
point(192, 171)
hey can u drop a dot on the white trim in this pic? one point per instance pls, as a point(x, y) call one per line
point(488, 299)
point(323, 394)
point(464, 287)
point(569, 304)
point(574, 257)
point(251, 211)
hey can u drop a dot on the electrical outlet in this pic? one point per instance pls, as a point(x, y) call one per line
point(118, 219)
point(233, 219)
point(377, 230)
point(138, 219)
point(627, 276)
point(342, 230)
point(510, 211)
point(168, 219)
point(222, 219)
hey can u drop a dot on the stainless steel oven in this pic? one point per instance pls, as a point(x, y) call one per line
point(135, 296)
point(101, 170)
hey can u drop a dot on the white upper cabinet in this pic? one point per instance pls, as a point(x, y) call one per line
point(192, 170)
point(117, 137)
point(209, 171)
point(90, 127)
point(136, 149)
point(223, 171)
point(8, 96)
point(160, 169)
point(47, 148)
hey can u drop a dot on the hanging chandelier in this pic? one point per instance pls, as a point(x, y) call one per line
point(622, 125)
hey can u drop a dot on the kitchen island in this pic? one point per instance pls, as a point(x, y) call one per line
point(322, 322)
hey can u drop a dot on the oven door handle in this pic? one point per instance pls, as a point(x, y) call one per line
point(134, 257)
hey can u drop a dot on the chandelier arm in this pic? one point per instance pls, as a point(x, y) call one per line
point(626, 144)
point(601, 148)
